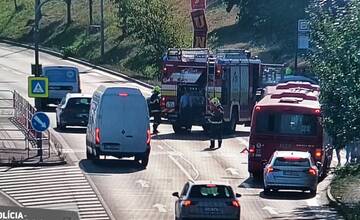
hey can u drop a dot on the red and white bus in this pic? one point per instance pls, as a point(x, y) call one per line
point(288, 117)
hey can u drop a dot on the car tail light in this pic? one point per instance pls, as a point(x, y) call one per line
point(257, 108)
point(269, 169)
point(210, 185)
point(123, 94)
point(148, 136)
point(318, 153)
point(313, 171)
point(186, 203)
point(235, 203)
point(317, 111)
point(97, 135)
point(252, 150)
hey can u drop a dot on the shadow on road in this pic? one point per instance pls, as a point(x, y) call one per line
point(74, 130)
point(196, 136)
point(252, 183)
point(110, 166)
point(310, 212)
point(287, 195)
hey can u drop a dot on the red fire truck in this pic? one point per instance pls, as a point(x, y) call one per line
point(191, 77)
point(288, 118)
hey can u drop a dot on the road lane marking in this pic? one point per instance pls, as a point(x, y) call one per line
point(181, 167)
point(179, 154)
point(271, 210)
point(233, 171)
point(160, 207)
point(143, 183)
point(55, 187)
point(313, 201)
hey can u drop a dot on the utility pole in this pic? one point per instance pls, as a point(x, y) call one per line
point(102, 49)
point(36, 70)
point(90, 12)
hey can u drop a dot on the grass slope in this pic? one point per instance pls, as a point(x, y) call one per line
point(121, 52)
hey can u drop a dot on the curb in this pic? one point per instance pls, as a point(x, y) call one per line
point(35, 164)
point(80, 61)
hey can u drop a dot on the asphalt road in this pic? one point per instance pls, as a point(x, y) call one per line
point(133, 193)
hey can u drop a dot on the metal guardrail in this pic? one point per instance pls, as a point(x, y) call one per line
point(20, 112)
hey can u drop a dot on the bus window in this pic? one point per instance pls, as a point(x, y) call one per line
point(286, 123)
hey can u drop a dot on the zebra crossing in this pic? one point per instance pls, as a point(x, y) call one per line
point(62, 187)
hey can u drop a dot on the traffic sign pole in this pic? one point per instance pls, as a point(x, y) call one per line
point(40, 122)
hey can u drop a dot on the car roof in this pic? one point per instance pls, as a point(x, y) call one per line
point(301, 154)
point(205, 182)
point(77, 95)
point(298, 79)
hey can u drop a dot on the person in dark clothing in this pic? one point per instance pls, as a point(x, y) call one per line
point(216, 121)
point(155, 108)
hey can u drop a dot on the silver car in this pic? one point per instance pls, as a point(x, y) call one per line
point(291, 170)
point(207, 200)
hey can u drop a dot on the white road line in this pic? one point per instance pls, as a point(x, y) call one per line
point(313, 201)
point(271, 210)
point(181, 167)
point(160, 147)
point(160, 207)
point(182, 157)
point(143, 183)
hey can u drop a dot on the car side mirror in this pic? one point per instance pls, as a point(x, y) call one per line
point(176, 194)
point(238, 195)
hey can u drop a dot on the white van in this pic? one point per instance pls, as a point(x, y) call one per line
point(62, 80)
point(118, 124)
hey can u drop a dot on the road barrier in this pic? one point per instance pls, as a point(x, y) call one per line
point(17, 112)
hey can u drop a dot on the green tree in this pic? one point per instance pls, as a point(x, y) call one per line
point(336, 61)
point(155, 24)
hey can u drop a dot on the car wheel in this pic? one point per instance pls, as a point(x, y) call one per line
point(89, 156)
point(95, 154)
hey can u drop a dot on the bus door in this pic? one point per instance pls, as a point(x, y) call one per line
point(245, 111)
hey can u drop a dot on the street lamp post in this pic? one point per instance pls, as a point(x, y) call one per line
point(102, 49)
point(36, 70)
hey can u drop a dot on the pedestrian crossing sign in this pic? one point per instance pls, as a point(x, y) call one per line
point(38, 87)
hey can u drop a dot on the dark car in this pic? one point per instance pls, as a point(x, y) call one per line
point(207, 200)
point(73, 110)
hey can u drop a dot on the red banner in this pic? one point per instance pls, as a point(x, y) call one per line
point(198, 4)
point(200, 38)
point(199, 20)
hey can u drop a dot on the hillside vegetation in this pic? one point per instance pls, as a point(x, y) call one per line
point(128, 52)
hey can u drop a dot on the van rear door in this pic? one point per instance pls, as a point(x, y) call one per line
point(124, 122)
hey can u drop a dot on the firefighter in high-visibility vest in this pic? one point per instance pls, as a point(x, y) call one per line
point(216, 121)
point(155, 108)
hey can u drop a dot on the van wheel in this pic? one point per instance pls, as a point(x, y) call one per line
point(313, 192)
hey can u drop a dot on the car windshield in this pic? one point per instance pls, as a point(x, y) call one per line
point(59, 75)
point(286, 123)
point(79, 103)
point(292, 161)
point(211, 191)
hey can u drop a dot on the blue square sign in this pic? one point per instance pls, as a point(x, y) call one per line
point(38, 87)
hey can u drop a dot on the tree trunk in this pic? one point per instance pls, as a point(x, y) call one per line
point(16, 6)
point(68, 2)
point(91, 12)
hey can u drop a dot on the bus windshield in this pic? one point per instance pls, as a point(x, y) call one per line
point(286, 123)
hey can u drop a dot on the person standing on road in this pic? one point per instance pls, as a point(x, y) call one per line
point(216, 121)
point(155, 108)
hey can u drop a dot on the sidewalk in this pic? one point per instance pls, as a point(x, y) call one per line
point(344, 190)
point(17, 150)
